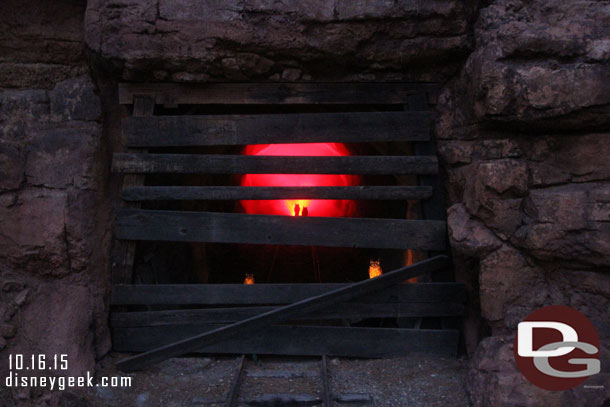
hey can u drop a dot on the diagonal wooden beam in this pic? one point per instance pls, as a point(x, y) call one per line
point(282, 314)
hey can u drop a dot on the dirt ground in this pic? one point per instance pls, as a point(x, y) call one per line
point(204, 382)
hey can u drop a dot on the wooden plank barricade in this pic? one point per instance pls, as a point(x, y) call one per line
point(164, 321)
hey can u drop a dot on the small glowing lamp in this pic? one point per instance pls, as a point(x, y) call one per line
point(375, 269)
point(249, 279)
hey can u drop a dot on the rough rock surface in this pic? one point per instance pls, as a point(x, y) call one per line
point(49, 210)
point(499, 383)
point(524, 134)
point(41, 43)
point(191, 40)
point(53, 221)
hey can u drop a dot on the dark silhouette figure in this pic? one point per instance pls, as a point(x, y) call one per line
point(297, 210)
point(305, 211)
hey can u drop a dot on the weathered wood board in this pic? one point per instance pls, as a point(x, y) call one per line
point(273, 294)
point(209, 130)
point(183, 226)
point(179, 193)
point(281, 314)
point(349, 311)
point(256, 164)
point(173, 94)
point(297, 340)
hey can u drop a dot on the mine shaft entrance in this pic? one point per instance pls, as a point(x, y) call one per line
point(290, 188)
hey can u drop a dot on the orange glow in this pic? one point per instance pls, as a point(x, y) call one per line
point(315, 207)
point(292, 205)
point(408, 262)
point(249, 279)
point(375, 269)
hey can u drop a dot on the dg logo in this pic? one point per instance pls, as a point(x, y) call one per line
point(557, 348)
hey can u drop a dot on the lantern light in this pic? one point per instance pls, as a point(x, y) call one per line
point(375, 269)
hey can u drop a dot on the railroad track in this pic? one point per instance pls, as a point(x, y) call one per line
point(237, 395)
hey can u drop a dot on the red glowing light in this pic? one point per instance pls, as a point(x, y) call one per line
point(315, 207)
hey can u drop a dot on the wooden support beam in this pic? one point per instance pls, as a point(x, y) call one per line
point(434, 208)
point(177, 193)
point(281, 314)
point(207, 130)
point(257, 294)
point(256, 164)
point(292, 340)
point(172, 94)
point(124, 252)
point(215, 227)
point(338, 311)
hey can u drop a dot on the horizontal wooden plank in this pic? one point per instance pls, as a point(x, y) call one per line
point(170, 193)
point(281, 314)
point(171, 94)
point(352, 311)
point(180, 131)
point(214, 227)
point(240, 294)
point(256, 164)
point(297, 340)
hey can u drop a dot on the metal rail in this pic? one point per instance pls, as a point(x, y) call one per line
point(233, 394)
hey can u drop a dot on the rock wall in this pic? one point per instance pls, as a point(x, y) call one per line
point(192, 40)
point(524, 132)
point(53, 210)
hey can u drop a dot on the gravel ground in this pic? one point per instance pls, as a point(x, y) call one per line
point(204, 382)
